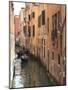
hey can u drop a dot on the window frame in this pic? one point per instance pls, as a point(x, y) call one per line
point(43, 17)
point(33, 30)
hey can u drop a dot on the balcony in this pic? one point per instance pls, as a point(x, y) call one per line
point(53, 36)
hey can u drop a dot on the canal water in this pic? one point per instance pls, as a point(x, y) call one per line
point(31, 74)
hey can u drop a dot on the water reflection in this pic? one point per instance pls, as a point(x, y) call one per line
point(32, 74)
point(18, 82)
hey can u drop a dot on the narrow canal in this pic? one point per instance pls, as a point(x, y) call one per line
point(31, 74)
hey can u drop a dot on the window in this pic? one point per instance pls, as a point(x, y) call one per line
point(55, 22)
point(24, 19)
point(54, 26)
point(44, 51)
point(48, 59)
point(52, 33)
point(39, 21)
point(52, 55)
point(33, 30)
point(59, 19)
point(29, 31)
point(25, 30)
point(58, 59)
point(48, 24)
point(42, 41)
point(33, 14)
point(43, 17)
point(29, 17)
point(61, 43)
point(48, 54)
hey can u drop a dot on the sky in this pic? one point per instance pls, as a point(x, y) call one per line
point(17, 7)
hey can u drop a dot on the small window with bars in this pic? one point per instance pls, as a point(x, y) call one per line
point(52, 55)
point(33, 30)
point(58, 58)
point(43, 17)
point(33, 14)
point(39, 21)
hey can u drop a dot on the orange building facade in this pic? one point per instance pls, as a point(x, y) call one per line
point(45, 28)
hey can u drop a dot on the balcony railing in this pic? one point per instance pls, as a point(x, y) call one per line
point(54, 33)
